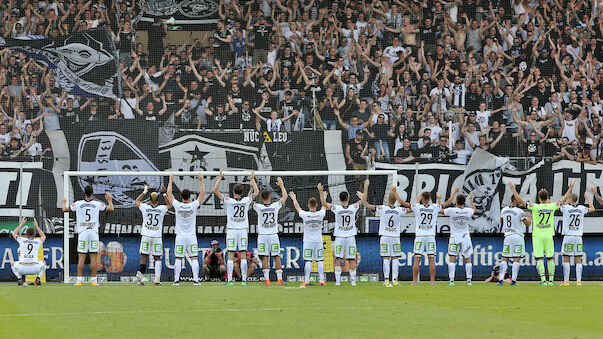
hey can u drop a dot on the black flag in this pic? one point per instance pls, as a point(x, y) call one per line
point(85, 63)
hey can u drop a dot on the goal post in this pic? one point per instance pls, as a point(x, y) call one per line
point(336, 182)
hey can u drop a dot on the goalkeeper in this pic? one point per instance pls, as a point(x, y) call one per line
point(543, 230)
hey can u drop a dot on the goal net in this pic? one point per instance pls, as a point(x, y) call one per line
point(120, 231)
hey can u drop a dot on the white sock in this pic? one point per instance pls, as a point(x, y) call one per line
point(279, 274)
point(469, 271)
point(353, 275)
point(515, 271)
point(244, 270)
point(266, 274)
point(307, 269)
point(338, 274)
point(158, 270)
point(578, 272)
point(42, 270)
point(395, 269)
point(93, 279)
point(195, 267)
point(80, 279)
point(386, 269)
point(229, 268)
point(321, 271)
point(451, 268)
point(503, 270)
point(17, 273)
point(177, 269)
point(566, 271)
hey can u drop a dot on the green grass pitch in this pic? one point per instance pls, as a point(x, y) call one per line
point(258, 311)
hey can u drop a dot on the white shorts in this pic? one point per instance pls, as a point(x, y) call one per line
point(186, 244)
point(314, 251)
point(236, 240)
point(425, 244)
point(390, 246)
point(87, 241)
point(345, 247)
point(24, 269)
point(151, 246)
point(572, 246)
point(513, 246)
point(269, 245)
point(460, 245)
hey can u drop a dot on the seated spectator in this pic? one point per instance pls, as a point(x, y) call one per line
point(252, 263)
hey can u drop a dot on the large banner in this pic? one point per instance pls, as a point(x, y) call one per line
point(119, 257)
point(490, 184)
point(84, 63)
point(201, 15)
point(133, 146)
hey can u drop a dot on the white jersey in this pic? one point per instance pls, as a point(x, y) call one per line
point(389, 220)
point(186, 215)
point(512, 221)
point(86, 214)
point(267, 217)
point(312, 225)
point(345, 220)
point(28, 249)
point(237, 213)
point(459, 220)
point(152, 219)
point(426, 218)
point(573, 219)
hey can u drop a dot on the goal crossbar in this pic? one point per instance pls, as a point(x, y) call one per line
point(68, 174)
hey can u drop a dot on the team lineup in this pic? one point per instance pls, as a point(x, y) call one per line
point(514, 221)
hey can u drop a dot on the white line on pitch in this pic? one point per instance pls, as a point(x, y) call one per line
point(264, 309)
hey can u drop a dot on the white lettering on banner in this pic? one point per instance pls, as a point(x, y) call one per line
point(599, 260)
point(7, 178)
point(292, 256)
point(7, 258)
point(57, 261)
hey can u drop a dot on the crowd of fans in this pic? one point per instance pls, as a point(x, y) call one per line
point(403, 80)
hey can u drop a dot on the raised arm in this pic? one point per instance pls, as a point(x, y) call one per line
point(323, 196)
point(42, 235)
point(141, 195)
point(169, 194)
point(520, 201)
point(363, 196)
point(281, 184)
point(201, 189)
point(399, 199)
point(110, 207)
point(451, 198)
point(471, 203)
point(15, 233)
point(65, 207)
point(295, 203)
point(591, 207)
point(217, 187)
point(567, 193)
point(593, 189)
point(255, 192)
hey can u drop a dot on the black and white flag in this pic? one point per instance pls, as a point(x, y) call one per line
point(85, 63)
point(482, 177)
point(192, 15)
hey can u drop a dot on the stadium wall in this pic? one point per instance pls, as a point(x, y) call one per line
point(119, 257)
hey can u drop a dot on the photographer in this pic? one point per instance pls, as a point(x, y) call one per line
point(213, 262)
